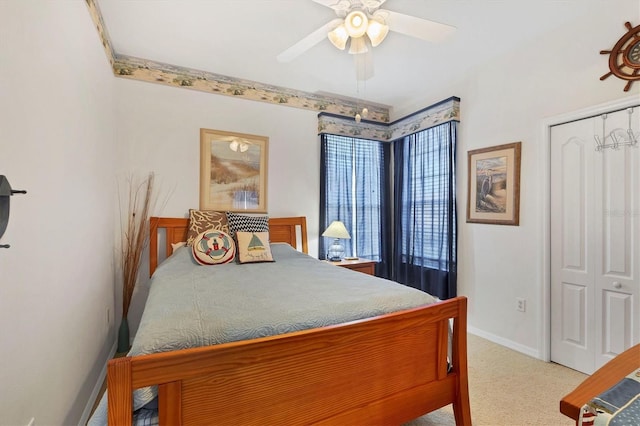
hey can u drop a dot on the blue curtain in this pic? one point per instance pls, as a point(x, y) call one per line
point(354, 188)
point(425, 211)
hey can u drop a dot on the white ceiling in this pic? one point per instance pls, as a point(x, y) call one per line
point(241, 38)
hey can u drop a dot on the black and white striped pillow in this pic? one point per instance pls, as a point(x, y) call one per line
point(247, 223)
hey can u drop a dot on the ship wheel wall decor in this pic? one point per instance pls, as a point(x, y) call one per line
point(624, 58)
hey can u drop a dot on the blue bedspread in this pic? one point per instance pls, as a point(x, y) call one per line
point(191, 305)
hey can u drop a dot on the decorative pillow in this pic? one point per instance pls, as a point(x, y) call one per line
point(203, 220)
point(247, 223)
point(176, 246)
point(213, 247)
point(253, 247)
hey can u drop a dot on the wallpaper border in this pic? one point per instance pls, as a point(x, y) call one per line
point(204, 81)
point(177, 76)
point(96, 17)
point(336, 115)
point(441, 112)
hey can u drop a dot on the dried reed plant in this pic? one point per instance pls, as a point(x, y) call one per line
point(135, 236)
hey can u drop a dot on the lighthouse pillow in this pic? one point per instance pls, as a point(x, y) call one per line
point(213, 247)
point(253, 247)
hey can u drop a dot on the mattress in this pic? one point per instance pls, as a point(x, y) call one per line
point(190, 305)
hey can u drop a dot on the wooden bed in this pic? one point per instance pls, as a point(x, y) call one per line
point(604, 378)
point(387, 369)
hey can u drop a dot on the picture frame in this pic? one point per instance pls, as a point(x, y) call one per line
point(233, 171)
point(494, 185)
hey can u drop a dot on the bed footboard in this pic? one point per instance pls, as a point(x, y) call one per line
point(383, 370)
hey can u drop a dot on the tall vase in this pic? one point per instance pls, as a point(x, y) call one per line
point(123, 336)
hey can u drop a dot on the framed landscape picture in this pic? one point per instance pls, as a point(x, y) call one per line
point(233, 171)
point(494, 185)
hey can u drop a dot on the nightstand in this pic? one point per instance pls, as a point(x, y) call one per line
point(366, 266)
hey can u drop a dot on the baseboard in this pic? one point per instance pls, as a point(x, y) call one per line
point(96, 389)
point(505, 342)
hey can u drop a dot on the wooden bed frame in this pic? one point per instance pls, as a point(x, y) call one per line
point(387, 369)
point(604, 378)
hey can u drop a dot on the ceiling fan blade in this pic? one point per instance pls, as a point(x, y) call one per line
point(364, 65)
point(415, 27)
point(308, 42)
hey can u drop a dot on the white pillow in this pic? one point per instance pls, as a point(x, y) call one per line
point(176, 246)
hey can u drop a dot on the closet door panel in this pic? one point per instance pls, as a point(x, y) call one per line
point(572, 270)
point(574, 314)
point(573, 200)
point(617, 328)
point(617, 240)
point(617, 200)
point(595, 239)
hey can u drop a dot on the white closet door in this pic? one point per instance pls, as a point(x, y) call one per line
point(572, 241)
point(595, 243)
point(618, 238)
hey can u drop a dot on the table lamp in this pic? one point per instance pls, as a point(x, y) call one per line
point(337, 231)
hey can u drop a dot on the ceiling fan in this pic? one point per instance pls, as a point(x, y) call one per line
point(363, 24)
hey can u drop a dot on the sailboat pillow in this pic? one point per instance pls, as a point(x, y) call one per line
point(253, 247)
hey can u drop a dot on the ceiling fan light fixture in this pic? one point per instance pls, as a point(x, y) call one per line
point(339, 37)
point(377, 31)
point(356, 23)
point(358, 46)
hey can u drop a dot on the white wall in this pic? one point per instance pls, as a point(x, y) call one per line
point(505, 101)
point(159, 131)
point(56, 141)
point(61, 140)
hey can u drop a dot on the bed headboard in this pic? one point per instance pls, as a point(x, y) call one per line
point(281, 230)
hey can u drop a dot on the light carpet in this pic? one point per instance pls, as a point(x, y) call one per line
point(509, 388)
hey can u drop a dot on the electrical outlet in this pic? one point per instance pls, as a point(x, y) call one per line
point(521, 304)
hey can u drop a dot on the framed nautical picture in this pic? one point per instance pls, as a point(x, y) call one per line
point(494, 185)
point(233, 171)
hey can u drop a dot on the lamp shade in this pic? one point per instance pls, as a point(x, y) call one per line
point(356, 23)
point(338, 37)
point(336, 230)
point(377, 31)
point(358, 46)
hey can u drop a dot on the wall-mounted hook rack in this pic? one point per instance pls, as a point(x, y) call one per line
point(5, 193)
point(618, 137)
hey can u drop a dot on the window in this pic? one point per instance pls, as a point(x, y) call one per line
point(425, 210)
point(354, 190)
